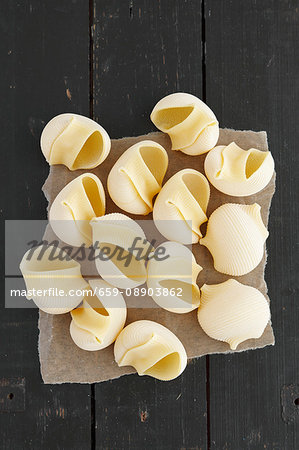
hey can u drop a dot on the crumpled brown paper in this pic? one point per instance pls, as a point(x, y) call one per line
point(62, 361)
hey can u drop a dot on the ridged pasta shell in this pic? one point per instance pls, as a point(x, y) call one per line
point(183, 199)
point(151, 349)
point(235, 237)
point(137, 177)
point(233, 312)
point(237, 172)
point(75, 141)
point(190, 123)
point(118, 265)
point(43, 270)
point(76, 204)
point(97, 323)
point(177, 276)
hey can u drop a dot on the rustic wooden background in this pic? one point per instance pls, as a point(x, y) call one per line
point(113, 60)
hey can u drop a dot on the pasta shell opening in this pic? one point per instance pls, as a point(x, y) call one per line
point(238, 172)
point(75, 141)
point(167, 368)
point(76, 204)
point(93, 195)
point(183, 199)
point(90, 153)
point(151, 349)
point(95, 303)
point(170, 117)
point(140, 196)
point(152, 156)
point(93, 319)
point(197, 186)
point(151, 358)
point(137, 176)
point(189, 122)
point(100, 318)
point(254, 161)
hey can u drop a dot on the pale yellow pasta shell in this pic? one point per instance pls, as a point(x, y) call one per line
point(238, 172)
point(180, 207)
point(75, 141)
point(49, 269)
point(189, 122)
point(151, 349)
point(233, 312)
point(172, 281)
point(76, 204)
point(137, 177)
point(100, 318)
point(235, 237)
point(118, 264)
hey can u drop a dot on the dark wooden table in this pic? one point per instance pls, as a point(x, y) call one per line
point(113, 60)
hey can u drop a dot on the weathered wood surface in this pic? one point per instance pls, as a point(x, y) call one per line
point(44, 71)
point(114, 60)
point(252, 66)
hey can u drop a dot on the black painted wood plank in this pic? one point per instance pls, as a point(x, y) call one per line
point(142, 413)
point(252, 66)
point(44, 71)
point(144, 50)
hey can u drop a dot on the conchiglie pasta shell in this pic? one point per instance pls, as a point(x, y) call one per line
point(239, 172)
point(235, 237)
point(97, 323)
point(183, 199)
point(151, 349)
point(75, 141)
point(177, 275)
point(118, 230)
point(233, 312)
point(42, 272)
point(137, 177)
point(76, 204)
point(189, 122)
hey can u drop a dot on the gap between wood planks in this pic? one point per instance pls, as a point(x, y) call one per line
point(203, 69)
point(91, 114)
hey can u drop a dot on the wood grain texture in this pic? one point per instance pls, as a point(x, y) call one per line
point(142, 52)
point(44, 61)
point(252, 69)
point(142, 413)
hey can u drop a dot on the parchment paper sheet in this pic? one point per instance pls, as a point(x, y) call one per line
point(62, 361)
